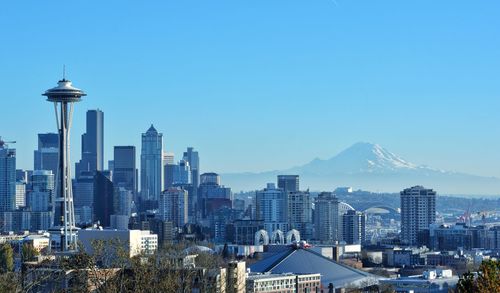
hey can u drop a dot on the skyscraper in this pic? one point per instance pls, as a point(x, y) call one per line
point(343, 209)
point(20, 194)
point(193, 159)
point(168, 158)
point(92, 144)
point(212, 195)
point(271, 206)
point(84, 197)
point(103, 198)
point(289, 183)
point(151, 164)
point(7, 178)
point(124, 169)
point(40, 198)
point(326, 217)
point(354, 225)
point(123, 201)
point(47, 155)
point(182, 173)
point(418, 211)
point(173, 206)
point(300, 213)
point(48, 140)
point(168, 174)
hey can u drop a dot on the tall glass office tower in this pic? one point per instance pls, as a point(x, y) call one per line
point(151, 164)
point(46, 157)
point(92, 144)
point(124, 169)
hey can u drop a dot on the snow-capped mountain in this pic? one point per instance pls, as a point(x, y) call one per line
point(370, 167)
point(361, 157)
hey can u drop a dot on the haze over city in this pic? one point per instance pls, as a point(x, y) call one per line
point(264, 85)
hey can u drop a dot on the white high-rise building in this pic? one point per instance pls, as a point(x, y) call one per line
point(151, 164)
point(20, 194)
point(418, 211)
point(173, 206)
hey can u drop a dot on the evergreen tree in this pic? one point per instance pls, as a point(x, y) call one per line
point(6, 258)
point(487, 281)
point(28, 252)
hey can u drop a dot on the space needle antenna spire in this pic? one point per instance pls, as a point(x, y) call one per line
point(63, 231)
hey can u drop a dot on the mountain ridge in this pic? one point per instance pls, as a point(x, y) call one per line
point(371, 167)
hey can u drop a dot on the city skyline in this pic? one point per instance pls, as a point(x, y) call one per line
point(444, 86)
point(250, 146)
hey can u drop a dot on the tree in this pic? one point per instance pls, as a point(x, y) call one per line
point(6, 258)
point(28, 252)
point(10, 282)
point(225, 251)
point(466, 284)
point(487, 281)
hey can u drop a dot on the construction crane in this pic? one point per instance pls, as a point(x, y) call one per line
point(4, 143)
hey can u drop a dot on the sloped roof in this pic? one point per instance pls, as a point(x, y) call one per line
point(152, 129)
point(304, 261)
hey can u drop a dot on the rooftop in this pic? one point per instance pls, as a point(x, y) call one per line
point(304, 261)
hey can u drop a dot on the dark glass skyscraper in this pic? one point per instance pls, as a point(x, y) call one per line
point(47, 155)
point(289, 183)
point(193, 159)
point(103, 199)
point(92, 144)
point(124, 168)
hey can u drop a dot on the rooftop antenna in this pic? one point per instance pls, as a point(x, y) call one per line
point(64, 71)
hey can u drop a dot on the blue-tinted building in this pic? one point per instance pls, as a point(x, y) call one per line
point(151, 165)
point(7, 178)
point(92, 144)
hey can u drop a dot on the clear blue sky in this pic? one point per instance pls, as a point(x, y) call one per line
point(263, 84)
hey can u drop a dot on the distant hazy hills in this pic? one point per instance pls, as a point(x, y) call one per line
point(369, 167)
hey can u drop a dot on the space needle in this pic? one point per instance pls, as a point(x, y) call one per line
point(63, 230)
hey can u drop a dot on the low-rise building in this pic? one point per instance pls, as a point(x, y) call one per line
point(434, 281)
point(38, 242)
point(281, 283)
point(135, 242)
point(401, 257)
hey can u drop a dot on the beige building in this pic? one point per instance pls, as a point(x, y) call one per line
point(135, 242)
point(283, 283)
